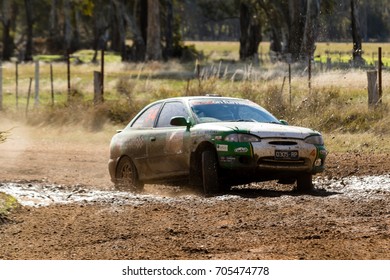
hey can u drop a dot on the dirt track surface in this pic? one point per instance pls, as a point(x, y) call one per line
point(337, 221)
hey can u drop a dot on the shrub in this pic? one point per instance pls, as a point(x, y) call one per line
point(3, 136)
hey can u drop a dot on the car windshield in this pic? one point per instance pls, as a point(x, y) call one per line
point(230, 110)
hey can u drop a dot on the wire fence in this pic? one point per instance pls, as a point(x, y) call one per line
point(60, 83)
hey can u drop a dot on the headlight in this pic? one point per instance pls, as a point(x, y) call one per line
point(315, 140)
point(238, 137)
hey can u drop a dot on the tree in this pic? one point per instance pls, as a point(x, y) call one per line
point(29, 27)
point(356, 33)
point(250, 32)
point(100, 16)
point(169, 29)
point(217, 18)
point(3, 136)
point(153, 42)
point(8, 19)
point(54, 41)
point(138, 49)
point(293, 25)
point(274, 13)
point(310, 30)
point(118, 40)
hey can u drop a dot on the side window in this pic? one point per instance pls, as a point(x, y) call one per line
point(147, 118)
point(169, 111)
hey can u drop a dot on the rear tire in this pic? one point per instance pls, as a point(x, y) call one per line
point(210, 172)
point(127, 176)
point(305, 182)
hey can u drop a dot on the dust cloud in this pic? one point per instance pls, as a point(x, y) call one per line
point(18, 139)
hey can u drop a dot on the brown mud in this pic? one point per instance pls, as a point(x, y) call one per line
point(264, 222)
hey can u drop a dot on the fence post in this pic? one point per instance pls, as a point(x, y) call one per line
point(36, 101)
point(102, 77)
point(97, 83)
point(380, 74)
point(1, 85)
point(17, 84)
point(373, 97)
point(28, 96)
point(51, 84)
point(328, 63)
point(309, 74)
point(68, 72)
point(289, 82)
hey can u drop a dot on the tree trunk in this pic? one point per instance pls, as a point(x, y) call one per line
point(274, 14)
point(54, 40)
point(75, 44)
point(296, 26)
point(8, 17)
point(356, 34)
point(102, 12)
point(138, 49)
point(67, 26)
point(29, 22)
point(143, 19)
point(119, 40)
point(169, 30)
point(250, 33)
point(311, 29)
point(153, 45)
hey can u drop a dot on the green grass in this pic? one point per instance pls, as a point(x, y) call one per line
point(342, 52)
point(337, 52)
point(7, 204)
point(84, 56)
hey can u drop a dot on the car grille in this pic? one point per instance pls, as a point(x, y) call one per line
point(271, 163)
point(283, 143)
point(271, 160)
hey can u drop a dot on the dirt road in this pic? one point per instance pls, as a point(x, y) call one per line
point(340, 220)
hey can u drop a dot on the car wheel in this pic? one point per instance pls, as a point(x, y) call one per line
point(305, 182)
point(127, 176)
point(210, 172)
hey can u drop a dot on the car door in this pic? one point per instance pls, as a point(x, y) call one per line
point(137, 137)
point(168, 146)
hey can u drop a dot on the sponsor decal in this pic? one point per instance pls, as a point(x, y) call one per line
point(241, 150)
point(227, 159)
point(222, 148)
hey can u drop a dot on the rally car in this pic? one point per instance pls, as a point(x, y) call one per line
point(215, 143)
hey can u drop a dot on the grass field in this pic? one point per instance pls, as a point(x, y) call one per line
point(336, 104)
point(338, 52)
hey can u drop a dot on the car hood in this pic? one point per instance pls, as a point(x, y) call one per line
point(263, 130)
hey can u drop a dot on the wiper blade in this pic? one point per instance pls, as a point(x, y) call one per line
point(244, 120)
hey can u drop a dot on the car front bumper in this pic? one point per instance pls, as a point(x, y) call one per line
point(310, 158)
point(262, 156)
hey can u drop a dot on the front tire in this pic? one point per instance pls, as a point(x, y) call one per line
point(210, 172)
point(127, 176)
point(305, 182)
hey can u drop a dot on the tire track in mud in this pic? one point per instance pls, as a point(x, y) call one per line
point(38, 195)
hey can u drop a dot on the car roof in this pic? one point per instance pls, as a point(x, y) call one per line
point(188, 98)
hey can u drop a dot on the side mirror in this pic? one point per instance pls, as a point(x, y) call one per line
point(284, 122)
point(180, 121)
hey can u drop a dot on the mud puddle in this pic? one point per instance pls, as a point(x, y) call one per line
point(39, 195)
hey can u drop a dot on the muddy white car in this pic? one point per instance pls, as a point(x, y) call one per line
point(215, 143)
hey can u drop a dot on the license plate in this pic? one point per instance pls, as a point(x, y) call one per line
point(291, 155)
